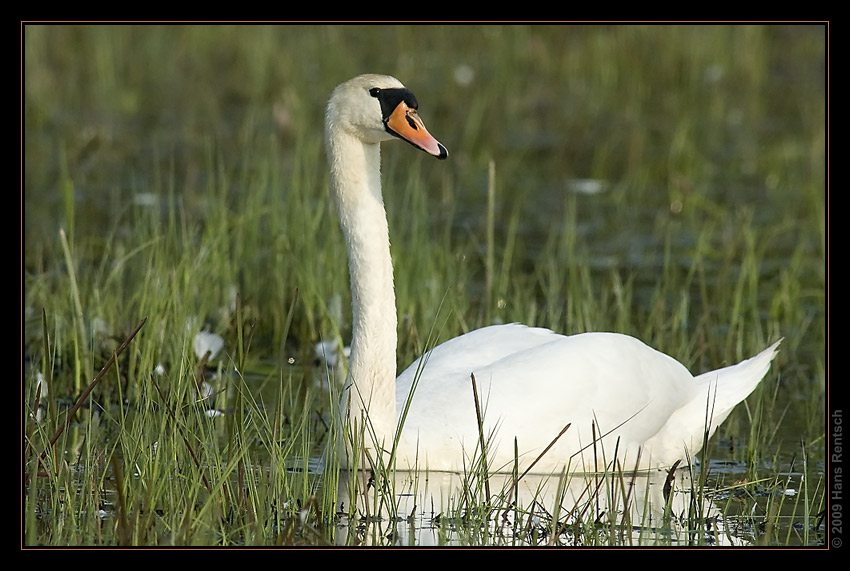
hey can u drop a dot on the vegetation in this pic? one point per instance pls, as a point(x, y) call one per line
point(662, 181)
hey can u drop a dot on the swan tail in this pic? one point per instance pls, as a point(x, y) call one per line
point(726, 387)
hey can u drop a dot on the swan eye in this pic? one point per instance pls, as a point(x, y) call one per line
point(391, 97)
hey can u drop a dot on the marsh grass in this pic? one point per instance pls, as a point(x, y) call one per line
point(176, 173)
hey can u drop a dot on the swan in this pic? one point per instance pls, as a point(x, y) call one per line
point(624, 404)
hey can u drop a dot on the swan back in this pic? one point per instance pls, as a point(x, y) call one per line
point(619, 397)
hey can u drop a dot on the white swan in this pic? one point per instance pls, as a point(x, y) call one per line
point(621, 398)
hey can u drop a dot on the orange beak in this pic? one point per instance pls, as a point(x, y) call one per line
point(405, 122)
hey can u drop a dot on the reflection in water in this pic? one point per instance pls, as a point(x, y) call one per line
point(440, 508)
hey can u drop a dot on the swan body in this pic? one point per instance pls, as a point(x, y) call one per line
point(626, 404)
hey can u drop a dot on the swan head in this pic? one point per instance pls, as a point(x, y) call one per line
point(376, 108)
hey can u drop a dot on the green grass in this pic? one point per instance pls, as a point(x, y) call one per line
point(176, 173)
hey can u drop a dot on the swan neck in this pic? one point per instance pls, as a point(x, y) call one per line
point(356, 186)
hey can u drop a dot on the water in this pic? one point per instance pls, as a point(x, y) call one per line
point(538, 511)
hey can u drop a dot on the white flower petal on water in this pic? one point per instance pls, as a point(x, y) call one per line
point(206, 341)
point(587, 185)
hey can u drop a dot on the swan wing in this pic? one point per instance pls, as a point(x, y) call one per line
point(531, 383)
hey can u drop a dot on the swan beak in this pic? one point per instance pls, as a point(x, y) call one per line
point(405, 123)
